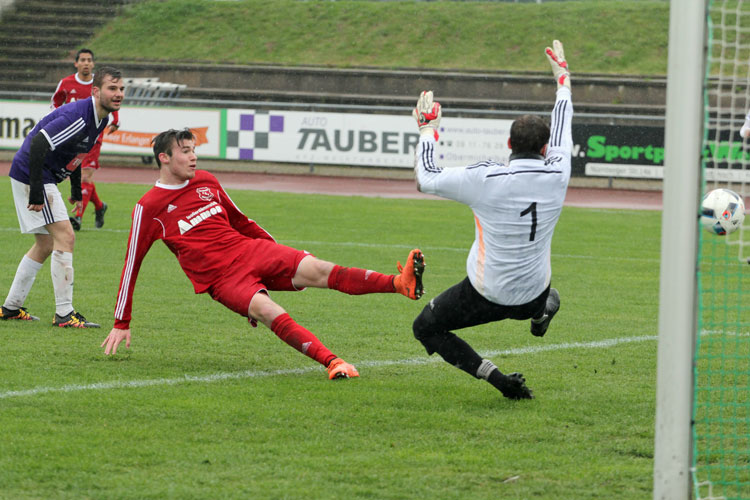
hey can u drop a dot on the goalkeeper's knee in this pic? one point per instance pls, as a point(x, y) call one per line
point(427, 331)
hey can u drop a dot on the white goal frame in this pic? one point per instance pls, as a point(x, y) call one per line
point(683, 138)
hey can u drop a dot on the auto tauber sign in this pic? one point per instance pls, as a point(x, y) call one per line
point(376, 140)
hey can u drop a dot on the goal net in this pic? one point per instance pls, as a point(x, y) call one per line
point(721, 399)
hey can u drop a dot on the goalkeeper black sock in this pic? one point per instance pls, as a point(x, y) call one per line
point(457, 352)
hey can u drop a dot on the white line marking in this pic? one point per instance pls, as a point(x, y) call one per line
point(216, 377)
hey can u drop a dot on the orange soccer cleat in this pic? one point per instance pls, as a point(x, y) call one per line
point(409, 281)
point(338, 368)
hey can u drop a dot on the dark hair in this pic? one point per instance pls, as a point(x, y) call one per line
point(528, 134)
point(84, 51)
point(100, 73)
point(164, 141)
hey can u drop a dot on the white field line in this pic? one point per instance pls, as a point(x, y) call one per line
point(217, 377)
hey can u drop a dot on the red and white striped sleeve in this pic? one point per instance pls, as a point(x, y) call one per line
point(143, 232)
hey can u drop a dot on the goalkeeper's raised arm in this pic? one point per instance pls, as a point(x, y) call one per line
point(561, 135)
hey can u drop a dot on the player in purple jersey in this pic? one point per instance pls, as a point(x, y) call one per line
point(50, 153)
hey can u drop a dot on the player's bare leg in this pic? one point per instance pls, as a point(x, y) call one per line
point(61, 268)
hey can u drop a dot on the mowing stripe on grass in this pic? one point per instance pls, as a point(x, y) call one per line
point(215, 377)
point(465, 250)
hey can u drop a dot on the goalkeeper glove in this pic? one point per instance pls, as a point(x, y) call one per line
point(556, 58)
point(428, 114)
point(745, 130)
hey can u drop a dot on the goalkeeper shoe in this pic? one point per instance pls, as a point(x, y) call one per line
point(409, 280)
point(19, 313)
point(73, 320)
point(99, 221)
point(338, 368)
point(513, 386)
point(539, 325)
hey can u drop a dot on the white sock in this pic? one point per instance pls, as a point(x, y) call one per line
point(25, 276)
point(61, 267)
point(485, 369)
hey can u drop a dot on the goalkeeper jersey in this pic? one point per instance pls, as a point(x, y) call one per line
point(515, 206)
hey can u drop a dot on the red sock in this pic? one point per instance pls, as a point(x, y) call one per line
point(355, 281)
point(95, 198)
point(301, 339)
point(86, 189)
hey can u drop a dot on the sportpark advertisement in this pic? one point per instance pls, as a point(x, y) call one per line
point(374, 140)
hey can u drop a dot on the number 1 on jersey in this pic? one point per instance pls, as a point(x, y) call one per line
point(531, 209)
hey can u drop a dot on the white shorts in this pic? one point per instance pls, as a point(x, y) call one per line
point(33, 222)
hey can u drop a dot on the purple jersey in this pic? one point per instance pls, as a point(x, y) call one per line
point(71, 131)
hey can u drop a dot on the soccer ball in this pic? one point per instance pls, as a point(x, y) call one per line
point(722, 211)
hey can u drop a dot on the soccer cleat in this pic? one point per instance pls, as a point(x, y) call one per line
point(539, 326)
point(514, 387)
point(19, 313)
point(338, 368)
point(409, 280)
point(76, 223)
point(73, 320)
point(100, 215)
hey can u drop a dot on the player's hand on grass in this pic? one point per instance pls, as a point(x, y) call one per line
point(556, 58)
point(114, 338)
point(428, 113)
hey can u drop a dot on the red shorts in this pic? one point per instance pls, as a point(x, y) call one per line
point(264, 266)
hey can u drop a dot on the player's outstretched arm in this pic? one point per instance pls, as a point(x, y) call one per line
point(556, 58)
point(116, 335)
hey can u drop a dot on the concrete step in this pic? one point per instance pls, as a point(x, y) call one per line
point(8, 40)
point(22, 52)
point(46, 29)
point(19, 74)
point(327, 84)
point(72, 19)
point(57, 7)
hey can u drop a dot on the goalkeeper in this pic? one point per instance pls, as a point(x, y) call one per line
point(516, 207)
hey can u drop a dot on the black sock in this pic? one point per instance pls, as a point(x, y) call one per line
point(457, 352)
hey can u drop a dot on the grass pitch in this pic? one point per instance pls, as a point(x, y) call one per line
point(204, 406)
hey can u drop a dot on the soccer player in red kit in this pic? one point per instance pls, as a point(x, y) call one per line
point(232, 258)
point(73, 88)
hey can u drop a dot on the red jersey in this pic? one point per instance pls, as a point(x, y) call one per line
point(198, 222)
point(71, 88)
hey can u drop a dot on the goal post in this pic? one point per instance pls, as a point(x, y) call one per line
point(679, 249)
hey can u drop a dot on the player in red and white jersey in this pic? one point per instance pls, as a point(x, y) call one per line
point(232, 258)
point(516, 207)
point(73, 88)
